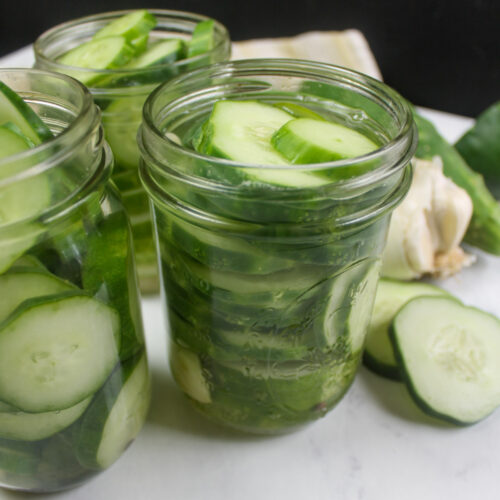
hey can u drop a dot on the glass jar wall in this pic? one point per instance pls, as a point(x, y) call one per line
point(74, 381)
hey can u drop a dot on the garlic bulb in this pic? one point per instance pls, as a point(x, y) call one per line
point(427, 228)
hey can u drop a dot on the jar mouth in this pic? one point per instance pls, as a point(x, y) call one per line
point(56, 148)
point(188, 89)
point(47, 47)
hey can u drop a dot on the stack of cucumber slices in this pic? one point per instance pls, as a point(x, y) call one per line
point(258, 133)
point(74, 382)
point(446, 353)
point(123, 45)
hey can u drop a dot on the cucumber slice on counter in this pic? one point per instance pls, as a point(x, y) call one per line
point(115, 416)
point(391, 295)
point(449, 355)
point(18, 286)
point(110, 52)
point(131, 26)
point(14, 109)
point(22, 426)
point(304, 140)
point(203, 38)
point(56, 351)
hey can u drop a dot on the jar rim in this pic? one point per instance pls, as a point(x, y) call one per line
point(42, 43)
point(287, 67)
point(86, 109)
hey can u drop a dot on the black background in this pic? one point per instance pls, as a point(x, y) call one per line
point(438, 53)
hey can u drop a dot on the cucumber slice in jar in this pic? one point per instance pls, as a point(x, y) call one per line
point(241, 131)
point(18, 286)
point(305, 140)
point(160, 52)
point(15, 110)
point(108, 274)
point(390, 296)
point(188, 373)
point(448, 355)
point(203, 38)
point(121, 120)
point(11, 142)
point(115, 416)
point(22, 426)
point(131, 26)
point(110, 52)
point(15, 243)
point(56, 351)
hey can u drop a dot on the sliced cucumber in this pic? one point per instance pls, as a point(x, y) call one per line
point(14, 243)
point(390, 297)
point(11, 142)
point(14, 109)
point(363, 296)
point(121, 120)
point(298, 111)
point(115, 416)
point(18, 286)
point(110, 52)
point(241, 131)
point(160, 52)
point(56, 351)
point(188, 373)
point(108, 273)
point(449, 356)
point(131, 26)
point(305, 140)
point(222, 251)
point(203, 39)
point(22, 426)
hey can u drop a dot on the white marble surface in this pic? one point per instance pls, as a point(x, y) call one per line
point(376, 445)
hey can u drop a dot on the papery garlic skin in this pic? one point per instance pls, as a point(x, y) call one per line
point(428, 226)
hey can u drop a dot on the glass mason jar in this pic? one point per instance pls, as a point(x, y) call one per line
point(121, 101)
point(269, 288)
point(74, 381)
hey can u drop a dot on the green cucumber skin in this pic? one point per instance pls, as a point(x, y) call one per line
point(32, 126)
point(115, 284)
point(131, 26)
point(480, 147)
point(383, 369)
point(412, 389)
point(32, 304)
point(484, 227)
point(428, 410)
point(371, 361)
point(202, 39)
point(88, 433)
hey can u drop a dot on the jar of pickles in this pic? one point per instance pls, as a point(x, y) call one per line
point(272, 183)
point(74, 381)
point(122, 56)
